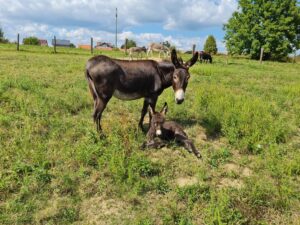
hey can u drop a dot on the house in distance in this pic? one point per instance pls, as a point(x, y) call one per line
point(104, 46)
point(62, 43)
point(43, 42)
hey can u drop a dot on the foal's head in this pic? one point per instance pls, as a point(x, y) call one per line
point(158, 118)
point(181, 75)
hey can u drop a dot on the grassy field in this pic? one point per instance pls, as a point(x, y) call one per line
point(244, 118)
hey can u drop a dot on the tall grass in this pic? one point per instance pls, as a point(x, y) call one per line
point(54, 168)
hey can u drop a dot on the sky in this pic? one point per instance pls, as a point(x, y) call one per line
point(181, 22)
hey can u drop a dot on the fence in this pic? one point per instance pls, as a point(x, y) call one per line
point(90, 47)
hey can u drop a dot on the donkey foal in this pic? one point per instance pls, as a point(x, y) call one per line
point(167, 130)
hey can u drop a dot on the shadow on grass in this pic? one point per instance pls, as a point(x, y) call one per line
point(211, 125)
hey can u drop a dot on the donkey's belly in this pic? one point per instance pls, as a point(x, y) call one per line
point(127, 96)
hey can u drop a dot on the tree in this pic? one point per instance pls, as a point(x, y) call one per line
point(130, 43)
point(257, 24)
point(2, 38)
point(31, 41)
point(210, 45)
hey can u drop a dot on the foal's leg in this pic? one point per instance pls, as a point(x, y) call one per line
point(153, 144)
point(188, 144)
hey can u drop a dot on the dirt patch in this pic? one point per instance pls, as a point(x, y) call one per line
point(186, 181)
point(241, 171)
point(234, 183)
point(246, 172)
point(100, 210)
point(231, 167)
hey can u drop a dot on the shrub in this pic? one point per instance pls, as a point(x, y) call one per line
point(31, 41)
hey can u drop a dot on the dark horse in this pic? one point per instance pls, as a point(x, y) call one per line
point(129, 80)
point(204, 56)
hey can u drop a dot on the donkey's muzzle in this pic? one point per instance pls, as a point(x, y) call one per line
point(179, 96)
point(179, 101)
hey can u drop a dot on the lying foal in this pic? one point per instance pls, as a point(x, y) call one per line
point(167, 130)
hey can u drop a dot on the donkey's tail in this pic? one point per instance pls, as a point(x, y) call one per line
point(91, 85)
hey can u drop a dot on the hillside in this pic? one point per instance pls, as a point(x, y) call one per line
point(243, 116)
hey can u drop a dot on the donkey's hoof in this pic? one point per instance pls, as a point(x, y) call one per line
point(142, 128)
point(102, 135)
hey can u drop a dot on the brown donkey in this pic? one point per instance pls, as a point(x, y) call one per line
point(129, 80)
point(167, 130)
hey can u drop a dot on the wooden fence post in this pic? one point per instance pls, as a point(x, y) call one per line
point(92, 46)
point(261, 55)
point(54, 44)
point(18, 42)
point(126, 40)
point(193, 50)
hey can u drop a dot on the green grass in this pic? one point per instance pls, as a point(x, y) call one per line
point(243, 116)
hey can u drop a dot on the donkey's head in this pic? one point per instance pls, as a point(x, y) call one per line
point(181, 75)
point(158, 118)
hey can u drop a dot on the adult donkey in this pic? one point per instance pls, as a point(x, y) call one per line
point(129, 80)
point(138, 50)
point(156, 47)
point(205, 57)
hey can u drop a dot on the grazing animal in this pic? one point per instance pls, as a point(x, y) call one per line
point(167, 130)
point(205, 57)
point(138, 50)
point(129, 80)
point(156, 47)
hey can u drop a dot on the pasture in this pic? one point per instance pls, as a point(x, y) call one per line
point(244, 118)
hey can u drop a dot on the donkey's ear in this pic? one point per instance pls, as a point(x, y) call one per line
point(192, 60)
point(164, 110)
point(175, 59)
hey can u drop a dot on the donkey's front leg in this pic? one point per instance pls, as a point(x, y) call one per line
point(147, 102)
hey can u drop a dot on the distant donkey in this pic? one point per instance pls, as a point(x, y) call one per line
point(168, 131)
point(129, 80)
point(205, 57)
point(156, 47)
point(138, 50)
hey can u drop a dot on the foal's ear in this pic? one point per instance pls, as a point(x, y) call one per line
point(164, 110)
point(192, 61)
point(151, 111)
point(180, 60)
point(175, 59)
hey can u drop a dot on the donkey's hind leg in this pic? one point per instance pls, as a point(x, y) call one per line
point(100, 105)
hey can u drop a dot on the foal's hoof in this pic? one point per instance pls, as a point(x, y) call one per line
point(199, 156)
